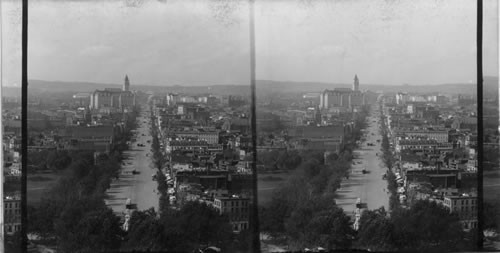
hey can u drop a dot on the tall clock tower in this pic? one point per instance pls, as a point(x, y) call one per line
point(126, 85)
point(355, 86)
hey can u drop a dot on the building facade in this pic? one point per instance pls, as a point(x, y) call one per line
point(342, 97)
point(12, 214)
point(441, 136)
point(113, 97)
point(237, 209)
point(210, 136)
point(466, 208)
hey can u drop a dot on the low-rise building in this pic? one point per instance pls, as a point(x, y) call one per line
point(94, 138)
point(210, 136)
point(425, 145)
point(462, 123)
point(472, 165)
point(330, 138)
point(441, 136)
point(186, 145)
point(458, 164)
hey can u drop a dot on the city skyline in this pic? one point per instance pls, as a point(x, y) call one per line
point(249, 126)
point(310, 47)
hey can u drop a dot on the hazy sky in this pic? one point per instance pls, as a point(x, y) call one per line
point(385, 42)
point(207, 41)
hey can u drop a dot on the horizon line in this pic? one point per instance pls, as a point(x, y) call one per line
point(265, 80)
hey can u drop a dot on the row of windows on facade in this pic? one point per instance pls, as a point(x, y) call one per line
point(443, 145)
point(243, 210)
point(463, 201)
point(465, 208)
point(12, 205)
point(13, 228)
point(236, 203)
point(466, 201)
point(238, 227)
point(471, 225)
point(10, 211)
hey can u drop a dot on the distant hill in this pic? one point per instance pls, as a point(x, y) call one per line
point(39, 86)
point(490, 87)
point(263, 86)
point(62, 86)
point(11, 91)
point(268, 86)
point(288, 86)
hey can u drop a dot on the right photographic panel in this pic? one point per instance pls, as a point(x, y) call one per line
point(367, 133)
point(491, 152)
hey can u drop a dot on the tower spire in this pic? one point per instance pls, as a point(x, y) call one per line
point(126, 85)
point(355, 86)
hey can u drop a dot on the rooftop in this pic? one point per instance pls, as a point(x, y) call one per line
point(187, 143)
point(92, 131)
point(317, 132)
point(417, 142)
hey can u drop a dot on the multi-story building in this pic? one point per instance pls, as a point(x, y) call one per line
point(172, 99)
point(465, 100)
point(236, 208)
point(236, 101)
point(417, 98)
point(210, 136)
point(422, 145)
point(412, 144)
point(458, 164)
point(401, 98)
point(94, 138)
point(12, 214)
point(82, 99)
point(193, 112)
point(330, 138)
point(472, 165)
point(441, 136)
point(193, 146)
point(243, 142)
point(113, 98)
point(465, 206)
point(342, 97)
point(188, 99)
point(469, 123)
point(213, 179)
point(471, 140)
point(237, 124)
point(436, 178)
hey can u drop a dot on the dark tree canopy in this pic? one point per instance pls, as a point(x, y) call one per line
point(376, 231)
point(73, 212)
point(194, 225)
point(426, 227)
point(96, 231)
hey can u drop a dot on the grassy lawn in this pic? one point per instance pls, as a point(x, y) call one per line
point(39, 183)
point(491, 186)
point(267, 183)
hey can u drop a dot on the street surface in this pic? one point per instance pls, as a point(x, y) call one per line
point(140, 188)
point(369, 187)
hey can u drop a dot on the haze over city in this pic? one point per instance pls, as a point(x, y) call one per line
point(385, 42)
point(140, 130)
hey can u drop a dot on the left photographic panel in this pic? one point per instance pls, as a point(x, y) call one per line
point(10, 157)
point(139, 127)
